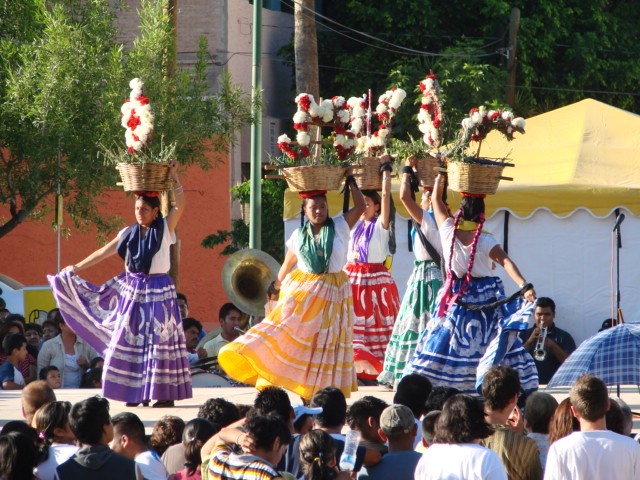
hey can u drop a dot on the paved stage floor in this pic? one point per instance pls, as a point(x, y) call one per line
point(10, 407)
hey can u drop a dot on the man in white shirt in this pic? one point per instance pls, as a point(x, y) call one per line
point(230, 318)
point(593, 452)
point(128, 440)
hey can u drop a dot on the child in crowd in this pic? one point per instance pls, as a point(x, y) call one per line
point(14, 347)
point(196, 433)
point(318, 457)
point(52, 423)
point(51, 375)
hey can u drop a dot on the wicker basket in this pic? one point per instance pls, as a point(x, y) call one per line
point(426, 167)
point(314, 177)
point(152, 177)
point(367, 173)
point(474, 177)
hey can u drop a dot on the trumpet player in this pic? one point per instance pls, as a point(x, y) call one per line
point(548, 344)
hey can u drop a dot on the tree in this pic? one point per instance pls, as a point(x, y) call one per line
point(63, 83)
point(306, 48)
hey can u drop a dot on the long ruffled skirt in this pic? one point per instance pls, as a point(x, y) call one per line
point(418, 301)
point(133, 321)
point(375, 304)
point(304, 344)
point(458, 349)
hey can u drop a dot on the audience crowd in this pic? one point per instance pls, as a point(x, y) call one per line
point(426, 433)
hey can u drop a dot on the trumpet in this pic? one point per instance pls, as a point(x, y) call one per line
point(539, 353)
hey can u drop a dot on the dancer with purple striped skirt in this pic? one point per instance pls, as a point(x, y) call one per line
point(133, 320)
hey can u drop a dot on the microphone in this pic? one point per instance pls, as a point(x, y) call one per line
point(619, 220)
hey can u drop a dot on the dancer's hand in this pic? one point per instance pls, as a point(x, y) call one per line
point(69, 268)
point(530, 295)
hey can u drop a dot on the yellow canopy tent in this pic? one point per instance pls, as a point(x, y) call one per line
point(584, 155)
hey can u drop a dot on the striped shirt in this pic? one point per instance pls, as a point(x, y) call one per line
point(225, 465)
point(519, 454)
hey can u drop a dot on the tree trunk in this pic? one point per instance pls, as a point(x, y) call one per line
point(306, 48)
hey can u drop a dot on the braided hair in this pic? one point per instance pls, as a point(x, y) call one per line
point(317, 451)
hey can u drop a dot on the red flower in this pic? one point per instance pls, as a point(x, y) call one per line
point(143, 100)
point(304, 102)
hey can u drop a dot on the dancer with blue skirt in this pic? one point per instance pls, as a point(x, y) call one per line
point(473, 323)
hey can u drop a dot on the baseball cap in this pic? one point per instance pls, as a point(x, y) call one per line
point(300, 410)
point(396, 419)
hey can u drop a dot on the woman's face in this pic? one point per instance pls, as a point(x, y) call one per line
point(316, 210)
point(48, 332)
point(426, 200)
point(145, 214)
point(33, 338)
point(371, 209)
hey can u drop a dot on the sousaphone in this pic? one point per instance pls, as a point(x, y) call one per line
point(246, 275)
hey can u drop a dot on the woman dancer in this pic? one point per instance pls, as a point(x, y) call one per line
point(474, 326)
point(423, 284)
point(375, 295)
point(305, 343)
point(133, 320)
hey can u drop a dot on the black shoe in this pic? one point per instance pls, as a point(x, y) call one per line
point(132, 404)
point(163, 404)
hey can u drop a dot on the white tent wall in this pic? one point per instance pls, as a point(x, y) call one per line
point(570, 259)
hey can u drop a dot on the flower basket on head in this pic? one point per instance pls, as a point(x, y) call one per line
point(470, 173)
point(366, 171)
point(427, 166)
point(314, 177)
point(152, 177)
point(139, 168)
point(475, 178)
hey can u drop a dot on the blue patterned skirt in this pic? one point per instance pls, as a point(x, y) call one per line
point(457, 349)
point(133, 321)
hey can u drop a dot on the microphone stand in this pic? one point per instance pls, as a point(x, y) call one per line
point(619, 318)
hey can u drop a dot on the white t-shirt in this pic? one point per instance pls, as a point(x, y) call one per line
point(378, 247)
point(151, 466)
point(465, 461)
point(593, 455)
point(161, 261)
point(58, 454)
point(430, 231)
point(482, 265)
point(338, 257)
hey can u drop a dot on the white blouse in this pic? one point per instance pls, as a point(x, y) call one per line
point(430, 231)
point(161, 261)
point(482, 266)
point(378, 248)
point(338, 257)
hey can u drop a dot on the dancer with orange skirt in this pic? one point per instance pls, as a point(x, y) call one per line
point(375, 295)
point(306, 342)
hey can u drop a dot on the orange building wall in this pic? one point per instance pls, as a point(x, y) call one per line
point(28, 253)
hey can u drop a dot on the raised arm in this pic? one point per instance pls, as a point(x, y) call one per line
point(415, 210)
point(353, 215)
point(498, 255)
point(176, 210)
point(385, 205)
point(439, 208)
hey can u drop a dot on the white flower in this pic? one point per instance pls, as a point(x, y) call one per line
point(350, 143)
point(507, 115)
point(284, 138)
point(425, 139)
point(338, 101)
point(383, 132)
point(381, 108)
point(424, 128)
point(315, 110)
point(339, 140)
point(300, 117)
point(476, 117)
point(343, 116)
point(468, 123)
point(423, 116)
point(303, 139)
point(356, 125)
point(519, 123)
point(396, 98)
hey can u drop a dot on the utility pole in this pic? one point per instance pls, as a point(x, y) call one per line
point(306, 48)
point(255, 202)
point(514, 26)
